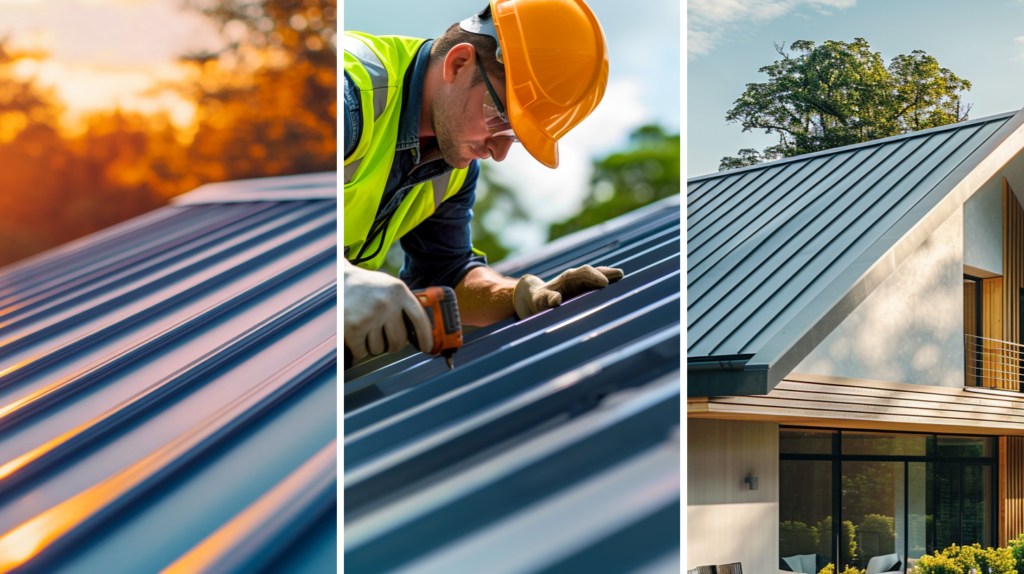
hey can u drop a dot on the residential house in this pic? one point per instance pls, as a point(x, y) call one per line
point(854, 332)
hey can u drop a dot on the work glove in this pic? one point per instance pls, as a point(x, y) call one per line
point(532, 295)
point(375, 303)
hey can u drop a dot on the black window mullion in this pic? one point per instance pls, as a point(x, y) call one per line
point(837, 503)
point(906, 513)
point(931, 469)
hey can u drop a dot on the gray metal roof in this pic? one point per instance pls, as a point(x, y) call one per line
point(168, 390)
point(553, 444)
point(778, 254)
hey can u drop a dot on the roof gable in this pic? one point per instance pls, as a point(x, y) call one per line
point(779, 254)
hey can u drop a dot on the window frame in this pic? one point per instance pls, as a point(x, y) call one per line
point(837, 459)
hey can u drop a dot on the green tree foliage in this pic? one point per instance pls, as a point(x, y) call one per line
point(835, 94)
point(880, 530)
point(798, 538)
point(648, 170)
point(848, 535)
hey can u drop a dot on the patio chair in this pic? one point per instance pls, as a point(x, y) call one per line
point(886, 563)
point(735, 568)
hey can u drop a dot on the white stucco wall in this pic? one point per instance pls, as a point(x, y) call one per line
point(726, 522)
point(1013, 171)
point(983, 228)
point(910, 329)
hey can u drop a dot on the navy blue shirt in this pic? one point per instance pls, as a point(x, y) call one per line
point(438, 251)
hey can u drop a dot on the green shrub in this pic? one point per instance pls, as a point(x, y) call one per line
point(937, 564)
point(997, 561)
point(1017, 549)
point(963, 559)
point(831, 569)
point(849, 538)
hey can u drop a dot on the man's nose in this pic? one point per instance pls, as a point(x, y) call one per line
point(499, 148)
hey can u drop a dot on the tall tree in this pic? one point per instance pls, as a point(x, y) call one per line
point(837, 94)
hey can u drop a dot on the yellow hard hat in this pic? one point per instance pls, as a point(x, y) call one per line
point(556, 67)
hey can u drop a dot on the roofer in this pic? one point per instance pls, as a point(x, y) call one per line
point(419, 114)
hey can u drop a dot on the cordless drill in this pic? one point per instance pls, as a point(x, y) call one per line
point(443, 312)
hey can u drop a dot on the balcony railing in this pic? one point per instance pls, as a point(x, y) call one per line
point(993, 363)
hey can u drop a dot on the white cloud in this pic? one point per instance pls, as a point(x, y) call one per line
point(1019, 44)
point(706, 19)
point(552, 195)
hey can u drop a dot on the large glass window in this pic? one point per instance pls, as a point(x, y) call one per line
point(892, 497)
point(805, 524)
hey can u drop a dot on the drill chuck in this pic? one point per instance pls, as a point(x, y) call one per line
point(443, 312)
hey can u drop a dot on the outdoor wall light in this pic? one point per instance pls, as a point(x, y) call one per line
point(752, 481)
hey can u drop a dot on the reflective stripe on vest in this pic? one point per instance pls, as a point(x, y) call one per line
point(377, 65)
point(374, 67)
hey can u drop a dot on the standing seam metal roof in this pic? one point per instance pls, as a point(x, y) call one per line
point(778, 254)
point(553, 444)
point(168, 388)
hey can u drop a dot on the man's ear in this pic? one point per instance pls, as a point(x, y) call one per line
point(458, 62)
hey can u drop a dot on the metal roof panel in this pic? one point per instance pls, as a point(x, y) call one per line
point(440, 464)
point(166, 376)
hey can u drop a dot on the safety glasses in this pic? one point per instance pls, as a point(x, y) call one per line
point(495, 116)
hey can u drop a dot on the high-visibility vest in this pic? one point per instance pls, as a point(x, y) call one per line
point(377, 65)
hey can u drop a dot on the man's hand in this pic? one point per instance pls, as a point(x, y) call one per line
point(374, 305)
point(532, 295)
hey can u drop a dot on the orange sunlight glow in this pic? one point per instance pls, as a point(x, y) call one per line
point(28, 539)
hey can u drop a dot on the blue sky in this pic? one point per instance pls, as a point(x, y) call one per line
point(643, 87)
point(728, 40)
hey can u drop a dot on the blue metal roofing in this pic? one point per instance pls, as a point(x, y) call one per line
point(778, 254)
point(553, 444)
point(168, 389)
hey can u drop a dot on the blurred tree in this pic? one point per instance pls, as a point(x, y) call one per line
point(55, 188)
point(645, 172)
point(266, 104)
point(839, 94)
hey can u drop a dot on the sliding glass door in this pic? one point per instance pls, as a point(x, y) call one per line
point(887, 497)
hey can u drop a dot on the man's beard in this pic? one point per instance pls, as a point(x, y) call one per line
point(448, 119)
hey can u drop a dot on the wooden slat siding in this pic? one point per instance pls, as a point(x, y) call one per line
point(1013, 279)
point(1012, 473)
point(854, 403)
point(996, 371)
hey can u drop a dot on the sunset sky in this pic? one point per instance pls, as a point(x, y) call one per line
point(106, 53)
